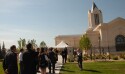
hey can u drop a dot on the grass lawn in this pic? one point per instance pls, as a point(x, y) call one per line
point(95, 68)
point(1, 69)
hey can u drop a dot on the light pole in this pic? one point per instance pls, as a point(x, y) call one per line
point(74, 42)
point(99, 45)
point(91, 51)
point(109, 52)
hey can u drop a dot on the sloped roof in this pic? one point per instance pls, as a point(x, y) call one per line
point(62, 44)
point(117, 19)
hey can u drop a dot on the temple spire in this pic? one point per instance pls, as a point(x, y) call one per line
point(94, 6)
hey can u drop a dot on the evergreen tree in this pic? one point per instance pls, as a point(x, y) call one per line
point(3, 50)
point(0, 53)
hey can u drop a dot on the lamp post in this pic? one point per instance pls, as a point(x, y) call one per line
point(91, 51)
point(99, 45)
point(74, 42)
point(94, 47)
point(109, 52)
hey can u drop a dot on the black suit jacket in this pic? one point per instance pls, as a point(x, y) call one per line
point(30, 62)
point(10, 63)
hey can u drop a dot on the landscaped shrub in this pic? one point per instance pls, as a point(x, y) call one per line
point(103, 56)
point(116, 58)
point(85, 58)
point(123, 56)
point(98, 56)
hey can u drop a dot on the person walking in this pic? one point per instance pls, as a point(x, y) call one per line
point(29, 60)
point(56, 53)
point(21, 60)
point(64, 55)
point(79, 58)
point(10, 61)
point(53, 60)
point(37, 58)
point(43, 61)
point(66, 52)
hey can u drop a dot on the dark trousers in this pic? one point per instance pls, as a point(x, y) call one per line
point(51, 64)
point(37, 67)
point(80, 64)
point(13, 71)
point(64, 59)
point(21, 67)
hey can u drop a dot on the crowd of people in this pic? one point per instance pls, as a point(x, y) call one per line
point(32, 61)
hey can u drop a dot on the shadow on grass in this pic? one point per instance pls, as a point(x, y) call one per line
point(92, 70)
point(67, 70)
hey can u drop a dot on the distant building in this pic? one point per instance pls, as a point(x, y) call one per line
point(71, 40)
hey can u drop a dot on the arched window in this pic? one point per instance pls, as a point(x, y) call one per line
point(120, 43)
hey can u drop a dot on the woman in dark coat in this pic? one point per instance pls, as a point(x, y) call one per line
point(43, 61)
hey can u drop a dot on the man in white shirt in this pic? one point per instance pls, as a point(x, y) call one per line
point(21, 60)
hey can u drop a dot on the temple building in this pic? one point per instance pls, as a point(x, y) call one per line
point(104, 37)
point(107, 37)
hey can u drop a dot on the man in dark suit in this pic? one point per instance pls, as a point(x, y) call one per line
point(53, 60)
point(79, 58)
point(29, 60)
point(10, 61)
point(64, 55)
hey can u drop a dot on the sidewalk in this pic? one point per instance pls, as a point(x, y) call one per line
point(58, 65)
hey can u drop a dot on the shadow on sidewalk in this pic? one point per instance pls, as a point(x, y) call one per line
point(92, 70)
point(48, 73)
point(58, 66)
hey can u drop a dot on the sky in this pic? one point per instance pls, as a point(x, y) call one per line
point(43, 20)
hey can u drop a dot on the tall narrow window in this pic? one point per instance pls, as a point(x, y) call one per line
point(96, 16)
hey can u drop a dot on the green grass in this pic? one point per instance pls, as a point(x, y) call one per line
point(95, 68)
point(1, 69)
point(91, 68)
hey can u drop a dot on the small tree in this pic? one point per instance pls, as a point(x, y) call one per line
point(43, 44)
point(85, 43)
point(22, 43)
point(33, 42)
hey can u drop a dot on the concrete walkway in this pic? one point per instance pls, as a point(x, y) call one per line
point(58, 65)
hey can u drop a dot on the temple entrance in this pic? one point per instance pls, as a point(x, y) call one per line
point(120, 43)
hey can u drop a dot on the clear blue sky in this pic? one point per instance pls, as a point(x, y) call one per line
point(43, 20)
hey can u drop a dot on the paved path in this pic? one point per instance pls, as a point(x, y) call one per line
point(58, 65)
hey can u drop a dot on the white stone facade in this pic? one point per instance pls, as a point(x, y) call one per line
point(106, 35)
